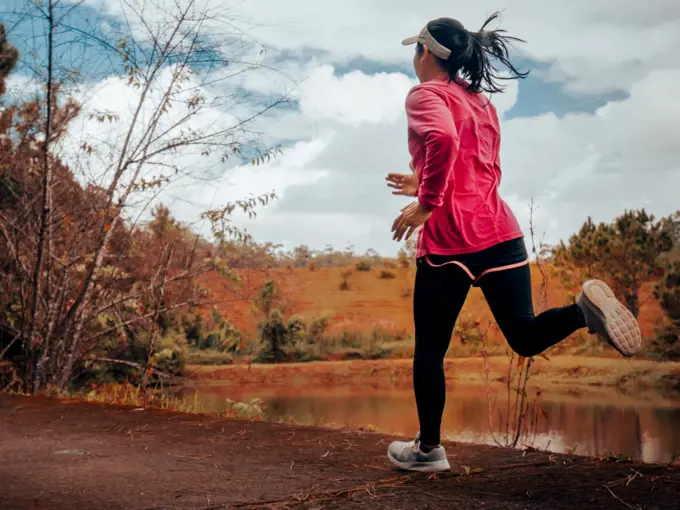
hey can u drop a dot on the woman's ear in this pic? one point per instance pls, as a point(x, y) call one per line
point(425, 53)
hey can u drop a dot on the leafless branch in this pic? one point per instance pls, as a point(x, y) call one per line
point(65, 226)
point(131, 364)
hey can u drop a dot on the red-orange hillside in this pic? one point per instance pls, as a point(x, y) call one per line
point(370, 302)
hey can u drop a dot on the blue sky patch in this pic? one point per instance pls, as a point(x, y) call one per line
point(85, 32)
point(80, 41)
point(537, 96)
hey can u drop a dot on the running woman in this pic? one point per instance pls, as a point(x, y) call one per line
point(469, 235)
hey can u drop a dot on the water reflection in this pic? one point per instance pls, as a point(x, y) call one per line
point(643, 432)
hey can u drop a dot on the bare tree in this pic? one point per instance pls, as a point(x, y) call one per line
point(181, 68)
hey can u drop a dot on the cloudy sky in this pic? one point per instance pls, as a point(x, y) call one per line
point(594, 130)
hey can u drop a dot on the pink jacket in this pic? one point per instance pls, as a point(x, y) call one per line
point(454, 141)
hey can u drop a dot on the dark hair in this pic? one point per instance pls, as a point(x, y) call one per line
point(473, 53)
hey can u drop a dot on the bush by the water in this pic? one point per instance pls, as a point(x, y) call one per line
point(287, 339)
point(128, 360)
point(215, 333)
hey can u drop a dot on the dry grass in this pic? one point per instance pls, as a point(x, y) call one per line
point(164, 399)
point(208, 357)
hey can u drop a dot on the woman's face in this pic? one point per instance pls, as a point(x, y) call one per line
point(418, 61)
point(423, 63)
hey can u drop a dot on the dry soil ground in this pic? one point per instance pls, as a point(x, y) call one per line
point(61, 455)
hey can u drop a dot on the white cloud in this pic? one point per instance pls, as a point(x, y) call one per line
point(364, 137)
point(189, 199)
point(198, 176)
point(507, 99)
point(596, 45)
point(331, 184)
point(115, 96)
point(353, 131)
point(599, 164)
point(21, 86)
point(583, 164)
point(354, 98)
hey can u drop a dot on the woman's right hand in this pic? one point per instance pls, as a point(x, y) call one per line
point(404, 184)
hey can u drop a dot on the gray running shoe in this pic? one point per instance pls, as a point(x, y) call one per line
point(409, 456)
point(608, 318)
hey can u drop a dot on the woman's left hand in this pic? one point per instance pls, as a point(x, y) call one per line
point(412, 216)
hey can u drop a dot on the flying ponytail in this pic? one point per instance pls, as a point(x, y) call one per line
point(474, 54)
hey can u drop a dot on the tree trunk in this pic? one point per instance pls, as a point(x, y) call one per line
point(76, 315)
point(31, 357)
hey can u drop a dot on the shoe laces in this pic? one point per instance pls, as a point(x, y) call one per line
point(412, 445)
point(409, 448)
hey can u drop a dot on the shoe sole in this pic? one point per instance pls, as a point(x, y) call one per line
point(622, 329)
point(421, 467)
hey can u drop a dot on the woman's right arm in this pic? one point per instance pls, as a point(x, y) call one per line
point(431, 120)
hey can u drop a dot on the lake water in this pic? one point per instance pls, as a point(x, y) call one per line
point(642, 428)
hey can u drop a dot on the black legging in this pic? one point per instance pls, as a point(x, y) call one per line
point(438, 298)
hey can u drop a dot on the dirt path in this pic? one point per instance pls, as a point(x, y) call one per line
point(59, 455)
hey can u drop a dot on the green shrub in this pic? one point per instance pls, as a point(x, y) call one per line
point(124, 360)
point(208, 357)
point(274, 336)
point(377, 348)
point(215, 333)
point(316, 329)
point(667, 344)
point(291, 340)
point(350, 339)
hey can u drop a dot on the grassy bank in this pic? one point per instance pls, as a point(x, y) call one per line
point(560, 373)
point(381, 343)
point(570, 376)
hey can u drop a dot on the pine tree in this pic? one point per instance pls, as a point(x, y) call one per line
point(8, 59)
point(625, 253)
point(668, 293)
